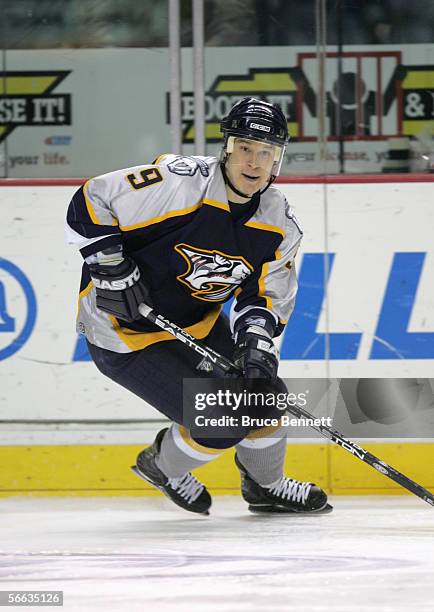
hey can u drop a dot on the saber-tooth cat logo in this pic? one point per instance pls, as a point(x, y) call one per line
point(212, 275)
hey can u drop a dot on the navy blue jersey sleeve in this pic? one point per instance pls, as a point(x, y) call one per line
point(91, 226)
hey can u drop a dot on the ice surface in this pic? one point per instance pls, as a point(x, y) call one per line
point(371, 554)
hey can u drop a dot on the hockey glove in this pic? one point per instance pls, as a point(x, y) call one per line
point(119, 289)
point(256, 354)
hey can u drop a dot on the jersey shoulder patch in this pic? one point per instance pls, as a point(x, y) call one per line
point(188, 166)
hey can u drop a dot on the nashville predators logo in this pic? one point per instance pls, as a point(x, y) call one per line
point(27, 99)
point(212, 275)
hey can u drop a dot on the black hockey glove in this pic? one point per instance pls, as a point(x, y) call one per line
point(256, 354)
point(119, 289)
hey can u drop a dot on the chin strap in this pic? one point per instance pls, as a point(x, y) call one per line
point(232, 186)
point(237, 191)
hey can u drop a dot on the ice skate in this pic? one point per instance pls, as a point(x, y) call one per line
point(185, 491)
point(286, 496)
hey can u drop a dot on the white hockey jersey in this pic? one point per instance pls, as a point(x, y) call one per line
point(195, 250)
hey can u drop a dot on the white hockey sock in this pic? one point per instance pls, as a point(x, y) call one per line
point(180, 454)
point(263, 455)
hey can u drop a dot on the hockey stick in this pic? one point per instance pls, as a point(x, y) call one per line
point(228, 368)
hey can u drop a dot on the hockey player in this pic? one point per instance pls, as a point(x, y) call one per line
point(184, 235)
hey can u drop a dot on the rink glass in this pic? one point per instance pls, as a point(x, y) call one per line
point(352, 78)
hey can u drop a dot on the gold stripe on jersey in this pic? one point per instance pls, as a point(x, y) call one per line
point(197, 447)
point(83, 294)
point(160, 159)
point(266, 227)
point(262, 289)
point(264, 431)
point(137, 341)
point(169, 215)
point(217, 204)
point(261, 283)
point(89, 206)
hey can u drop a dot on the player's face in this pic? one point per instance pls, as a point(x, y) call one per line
point(249, 165)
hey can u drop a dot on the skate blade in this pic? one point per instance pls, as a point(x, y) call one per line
point(280, 510)
point(138, 473)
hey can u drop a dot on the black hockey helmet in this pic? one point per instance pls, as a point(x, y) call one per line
point(258, 120)
point(254, 119)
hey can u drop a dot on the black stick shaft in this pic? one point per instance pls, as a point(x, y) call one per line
point(196, 345)
point(367, 457)
point(331, 434)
